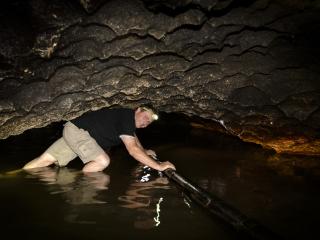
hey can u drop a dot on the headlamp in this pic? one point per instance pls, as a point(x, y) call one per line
point(155, 116)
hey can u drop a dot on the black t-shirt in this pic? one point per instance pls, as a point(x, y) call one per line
point(106, 125)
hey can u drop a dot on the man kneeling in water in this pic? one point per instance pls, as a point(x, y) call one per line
point(88, 135)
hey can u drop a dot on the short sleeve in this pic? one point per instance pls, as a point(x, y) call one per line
point(127, 124)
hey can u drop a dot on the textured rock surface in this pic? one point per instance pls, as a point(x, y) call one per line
point(252, 66)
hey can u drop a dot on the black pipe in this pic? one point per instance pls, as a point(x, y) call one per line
point(224, 211)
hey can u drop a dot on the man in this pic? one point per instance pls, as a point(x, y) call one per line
point(88, 135)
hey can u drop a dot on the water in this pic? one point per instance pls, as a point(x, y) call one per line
point(127, 201)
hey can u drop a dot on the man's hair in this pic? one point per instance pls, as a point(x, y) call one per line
point(149, 107)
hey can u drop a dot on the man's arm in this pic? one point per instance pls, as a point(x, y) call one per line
point(137, 152)
point(138, 141)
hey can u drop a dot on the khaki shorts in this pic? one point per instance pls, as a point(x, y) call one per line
point(75, 142)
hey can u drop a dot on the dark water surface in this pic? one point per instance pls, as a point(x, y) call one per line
point(127, 201)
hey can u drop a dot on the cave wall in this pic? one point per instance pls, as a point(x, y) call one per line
point(251, 66)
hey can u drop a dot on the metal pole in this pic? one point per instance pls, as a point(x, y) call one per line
point(224, 211)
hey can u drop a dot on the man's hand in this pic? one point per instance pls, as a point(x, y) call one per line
point(163, 165)
point(151, 153)
point(166, 165)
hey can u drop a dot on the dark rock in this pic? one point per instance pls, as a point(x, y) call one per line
point(250, 66)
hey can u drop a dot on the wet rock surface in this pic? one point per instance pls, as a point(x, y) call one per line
point(252, 67)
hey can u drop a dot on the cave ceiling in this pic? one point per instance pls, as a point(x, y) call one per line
point(250, 66)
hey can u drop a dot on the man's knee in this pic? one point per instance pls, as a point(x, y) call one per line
point(103, 160)
point(97, 164)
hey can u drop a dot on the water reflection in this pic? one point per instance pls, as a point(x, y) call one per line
point(297, 166)
point(144, 197)
point(73, 185)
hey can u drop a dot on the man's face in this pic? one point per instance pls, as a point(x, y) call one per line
point(142, 118)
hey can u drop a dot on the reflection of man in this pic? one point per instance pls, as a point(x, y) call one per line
point(141, 196)
point(77, 188)
point(89, 135)
point(137, 195)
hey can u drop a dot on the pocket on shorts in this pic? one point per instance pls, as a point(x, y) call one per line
point(87, 150)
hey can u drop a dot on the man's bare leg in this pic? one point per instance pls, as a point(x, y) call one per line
point(98, 164)
point(44, 160)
